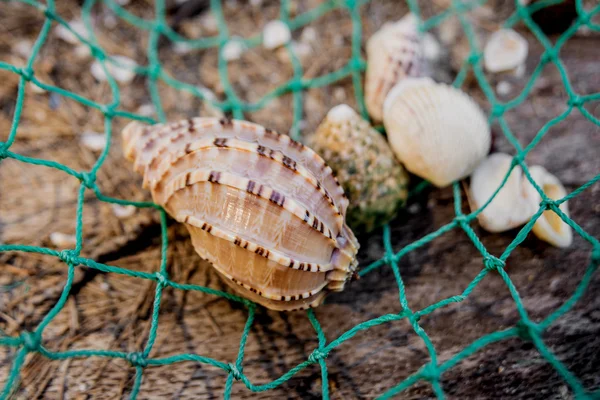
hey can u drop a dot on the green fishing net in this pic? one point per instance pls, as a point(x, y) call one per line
point(432, 371)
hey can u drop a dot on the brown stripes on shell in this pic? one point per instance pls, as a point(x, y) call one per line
point(277, 198)
point(272, 134)
point(261, 251)
point(237, 241)
point(214, 176)
point(250, 187)
point(206, 227)
point(296, 145)
point(261, 150)
point(187, 178)
point(226, 122)
point(220, 142)
point(306, 216)
point(290, 164)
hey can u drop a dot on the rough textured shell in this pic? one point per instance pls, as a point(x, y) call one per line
point(511, 207)
point(549, 226)
point(438, 132)
point(393, 53)
point(505, 50)
point(373, 179)
point(265, 210)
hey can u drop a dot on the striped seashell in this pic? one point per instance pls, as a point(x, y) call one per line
point(265, 210)
point(393, 53)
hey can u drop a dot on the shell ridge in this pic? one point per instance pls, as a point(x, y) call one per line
point(242, 184)
point(277, 156)
point(272, 255)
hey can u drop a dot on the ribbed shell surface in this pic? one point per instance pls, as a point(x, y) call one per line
point(265, 210)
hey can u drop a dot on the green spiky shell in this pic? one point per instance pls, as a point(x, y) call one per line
point(373, 179)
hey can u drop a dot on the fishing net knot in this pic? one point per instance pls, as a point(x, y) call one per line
point(358, 64)
point(549, 55)
point(137, 359)
point(31, 341)
point(49, 14)
point(498, 110)
point(27, 73)
point(235, 372)
point(547, 204)
point(160, 278)
point(493, 263)
point(575, 101)
point(154, 71)
point(3, 151)
point(584, 18)
point(317, 355)
point(461, 219)
point(430, 373)
point(89, 180)
point(474, 57)
point(296, 85)
point(97, 52)
point(595, 257)
point(527, 329)
point(68, 257)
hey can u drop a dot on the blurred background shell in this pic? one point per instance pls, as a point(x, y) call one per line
point(373, 179)
point(393, 53)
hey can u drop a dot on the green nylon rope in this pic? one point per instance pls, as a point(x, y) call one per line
point(432, 371)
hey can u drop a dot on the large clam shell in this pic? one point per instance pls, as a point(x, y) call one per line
point(265, 210)
point(438, 132)
point(393, 53)
point(375, 182)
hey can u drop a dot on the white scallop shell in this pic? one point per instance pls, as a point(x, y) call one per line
point(505, 50)
point(265, 210)
point(438, 132)
point(393, 53)
point(549, 226)
point(511, 207)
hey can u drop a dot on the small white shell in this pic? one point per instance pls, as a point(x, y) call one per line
point(393, 53)
point(76, 25)
point(122, 73)
point(63, 240)
point(511, 207)
point(276, 33)
point(233, 50)
point(505, 50)
point(438, 132)
point(93, 141)
point(123, 212)
point(549, 226)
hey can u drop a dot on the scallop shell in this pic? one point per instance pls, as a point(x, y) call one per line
point(438, 132)
point(360, 157)
point(393, 53)
point(549, 226)
point(505, 50)
point(511, 207)
point(265, 210)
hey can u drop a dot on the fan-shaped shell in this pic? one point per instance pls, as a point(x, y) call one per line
point(375, 182)
point(438, 132)
point(265, 210)
point(393, 53)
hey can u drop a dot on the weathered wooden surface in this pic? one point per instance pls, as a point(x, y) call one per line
point(109, 311)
